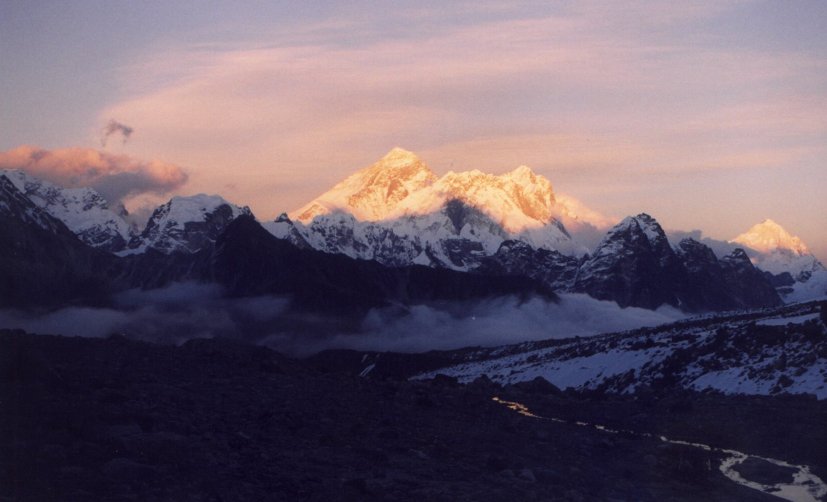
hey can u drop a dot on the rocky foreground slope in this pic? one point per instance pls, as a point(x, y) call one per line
point(112, 419)
point(767, 352)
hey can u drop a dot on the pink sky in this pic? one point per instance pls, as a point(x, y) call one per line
point(707, 115)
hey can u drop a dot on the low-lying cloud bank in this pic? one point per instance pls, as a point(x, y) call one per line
point(491, 322)
point(173, 314)
point(185, 310)
point(116, 177)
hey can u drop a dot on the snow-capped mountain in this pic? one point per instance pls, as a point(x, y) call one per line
point(775, 351)
point(186, 224)
point(777, 251)
point(780, 253)
point(397, 211)
point(373, 193)
point(43, 263)
point(83, 210)
point(14, 205)
point(182, 224)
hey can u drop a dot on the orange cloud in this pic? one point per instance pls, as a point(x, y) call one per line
point(115, 176)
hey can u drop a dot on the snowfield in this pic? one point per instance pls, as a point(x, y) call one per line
point(774, 351)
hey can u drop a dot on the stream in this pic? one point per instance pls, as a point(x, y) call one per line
point(805, 487)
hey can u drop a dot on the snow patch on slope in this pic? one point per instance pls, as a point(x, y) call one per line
point(768, 352)
point(83, 210)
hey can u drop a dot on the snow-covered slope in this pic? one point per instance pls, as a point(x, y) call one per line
point(83, 210)
point(14, 205)
point(372, 193)
point(398, 211)
point(774, 351)
point(186, 224)
point(768, 236)
point(778, 252)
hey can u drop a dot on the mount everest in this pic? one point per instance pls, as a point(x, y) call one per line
point(397, 211)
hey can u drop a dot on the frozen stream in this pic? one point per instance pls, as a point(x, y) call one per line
point(806, 486)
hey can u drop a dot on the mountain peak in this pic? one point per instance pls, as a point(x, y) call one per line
point(187, 224)
point(83, 210)
point(522, 172)
point(769, 236)
point(399, 155)
point(631, 228)
point(644, 222)
point(374, 192)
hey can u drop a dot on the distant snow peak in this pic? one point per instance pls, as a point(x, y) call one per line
point(397, 211)
point(399, 157)
point(768, 236)
point(778, 251)
point(374, 192)
point(518, 200)
point(400, 184)
point(187, 224)
point(83, 210)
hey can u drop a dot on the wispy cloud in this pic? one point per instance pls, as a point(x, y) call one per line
point(115, 127)
point(183, 311)
point(591, 93)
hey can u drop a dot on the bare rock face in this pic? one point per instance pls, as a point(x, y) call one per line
point(747, 283)
point(43, 262)
point(518, 258)
point(634, 265)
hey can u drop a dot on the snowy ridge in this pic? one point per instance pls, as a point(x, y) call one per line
point(778, 251)
point(186, 224)
point(771, 351)
point(15, 204)
point(398, 212)
point(814, 288)
point(374, 192)
point(83, 210)
point(768, 236)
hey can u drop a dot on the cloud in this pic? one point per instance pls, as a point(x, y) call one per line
point(183, 311)
point(492, 322)
point(115, 176)
point(590, 94)
point(115, 127)
point(173, 314)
